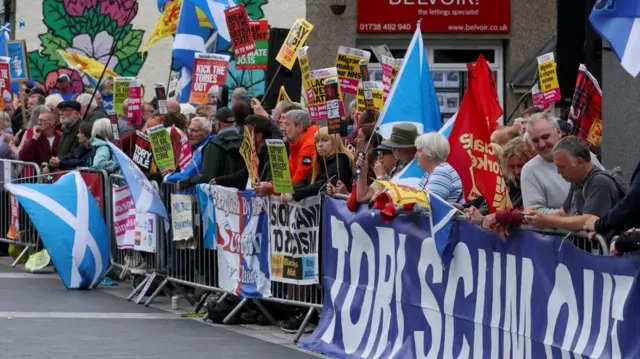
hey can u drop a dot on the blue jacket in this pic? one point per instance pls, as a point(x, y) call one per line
point(195, 166)
point(102, 160)
point(626, 213)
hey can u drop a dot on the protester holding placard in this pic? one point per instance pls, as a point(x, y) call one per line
point(332, 163)
point(298, 131)
point(221, 155)
point(199, 136)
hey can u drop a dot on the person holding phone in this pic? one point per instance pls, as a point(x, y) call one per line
point(44, 143)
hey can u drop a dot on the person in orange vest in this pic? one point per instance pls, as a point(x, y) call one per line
point(300, 134)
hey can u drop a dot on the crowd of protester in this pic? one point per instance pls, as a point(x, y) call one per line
point(553, 179)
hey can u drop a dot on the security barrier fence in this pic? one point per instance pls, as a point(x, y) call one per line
point(181, 267)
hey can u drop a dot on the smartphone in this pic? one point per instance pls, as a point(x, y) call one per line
point(521, 214)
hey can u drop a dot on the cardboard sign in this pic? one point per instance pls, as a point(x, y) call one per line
point(259, 59)
point(162, 148)
point(549, 86)
point(279, 163)
point(142, 152)
point(239, 30)
point(335, 121)
point(318, 104)
point(305, 70)
point(134, 104)
point(348, 65)
point(5, 86)
point(120, 93)
point(295, 39)
point(208, 70)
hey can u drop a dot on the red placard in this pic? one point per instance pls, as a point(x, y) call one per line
point(239, 30)
point(5, 87)
point(93, 181)
point(440, 16)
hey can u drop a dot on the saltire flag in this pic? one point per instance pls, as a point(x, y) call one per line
point(618, 22)
point(214, 10)
point(412, 98)
point(446, 128)
point(85, 65)
point(71, 226)
point(471, 154)
point(586, 108)
point(440, 217)
point(145, 196)
point(189, 40)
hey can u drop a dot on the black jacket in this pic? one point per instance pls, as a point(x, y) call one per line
point(241, 177)
point(220, 157)
point(626, 213)
point(78, 158)
point(306, 189)
point(16, 119)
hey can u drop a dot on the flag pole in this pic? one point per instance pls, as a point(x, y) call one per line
point(113, 49)
point(264, 97)
point(252, 92)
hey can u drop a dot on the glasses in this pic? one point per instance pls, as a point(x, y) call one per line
point(195, 129)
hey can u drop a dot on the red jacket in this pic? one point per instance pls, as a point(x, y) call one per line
point(301, 155)
point(39, 151)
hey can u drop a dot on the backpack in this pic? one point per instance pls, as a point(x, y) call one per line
point(615, 175)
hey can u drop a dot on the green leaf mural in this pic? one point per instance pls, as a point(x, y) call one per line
point(130, 65)
point(129, 44)
point(50, 46)
point(254, 8)
point(40, 66)
point(56, 18)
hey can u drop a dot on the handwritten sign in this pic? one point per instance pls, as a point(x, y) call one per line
point(181, 217)
point(295, 39)
point(208, 70)
point(279, 163)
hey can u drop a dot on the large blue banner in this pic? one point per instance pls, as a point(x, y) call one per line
point(388, 294)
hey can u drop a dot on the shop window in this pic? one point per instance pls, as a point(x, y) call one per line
point(462, 56)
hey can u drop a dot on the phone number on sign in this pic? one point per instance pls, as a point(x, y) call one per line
point(385, 27)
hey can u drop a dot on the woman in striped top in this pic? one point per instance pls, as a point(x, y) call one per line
point(439, 178)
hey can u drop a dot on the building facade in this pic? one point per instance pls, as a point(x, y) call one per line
point(510, 34)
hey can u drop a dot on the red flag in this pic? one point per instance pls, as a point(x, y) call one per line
point(471, 155)
point(586, 108)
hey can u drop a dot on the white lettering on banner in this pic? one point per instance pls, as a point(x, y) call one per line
point(434, 2)
point(369, 320)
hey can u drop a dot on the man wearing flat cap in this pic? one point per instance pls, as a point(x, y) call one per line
point(70, 120)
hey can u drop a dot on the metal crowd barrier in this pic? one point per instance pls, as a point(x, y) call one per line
point(597, 246)
point(18, 172)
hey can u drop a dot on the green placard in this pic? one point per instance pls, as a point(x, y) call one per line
point(120, 93)
point(162, 148)
point(279, 163)
point(258, 60)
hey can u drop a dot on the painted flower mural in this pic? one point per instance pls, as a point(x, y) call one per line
point(88, 28)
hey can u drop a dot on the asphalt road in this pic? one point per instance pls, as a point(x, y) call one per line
point(41, 319)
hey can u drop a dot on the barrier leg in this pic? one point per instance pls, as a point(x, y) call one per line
point(103, 276)
point(265, 312)
point(157, 292)
point(137, 289)
point(304, 324)
point(203, 300)
point(150, 279)
point(235, 311)
point(223, 297)
point(24, 251)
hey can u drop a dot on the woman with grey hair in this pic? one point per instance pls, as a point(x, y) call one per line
point(6, 135)
point(102, 158)
point(439, 177)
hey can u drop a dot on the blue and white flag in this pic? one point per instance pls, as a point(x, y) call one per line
point(71, 226)
point(618, 22)
point(190, 39)
point(208, 212)
point(441, 217)
point(412, 98)
point(214, 9)
point(410, 175)
point(447, 127)
point(145, 196)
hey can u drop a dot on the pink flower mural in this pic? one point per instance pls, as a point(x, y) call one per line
point(89, 28)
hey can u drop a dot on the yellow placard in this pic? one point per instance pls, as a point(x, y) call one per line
point(348, 65)
point(295, 39)
point(282, 95)
point(549, 85)
point(377, 91)
point(248, 153)
point(595, 133)
point(402, 194)
point(305, 70)
point(166, 25)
